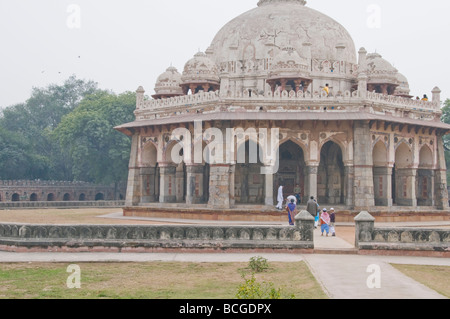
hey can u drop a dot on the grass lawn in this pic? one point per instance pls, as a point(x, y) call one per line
point(434, 277)
point(155, 280)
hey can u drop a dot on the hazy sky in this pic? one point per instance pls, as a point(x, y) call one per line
point(124, 44)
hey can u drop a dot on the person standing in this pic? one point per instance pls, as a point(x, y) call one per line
point(325, 222)
point(298, 194)
point(311, 207)
point(333, 222)
point(280, 198)
point(291, 208)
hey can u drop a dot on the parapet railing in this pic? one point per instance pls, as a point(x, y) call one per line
point(121, 237)
point(252, 95)
point(369, 237)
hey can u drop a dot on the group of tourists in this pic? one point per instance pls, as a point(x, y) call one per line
point(324, 219)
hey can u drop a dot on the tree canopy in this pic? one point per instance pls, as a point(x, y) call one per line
point(66, 132)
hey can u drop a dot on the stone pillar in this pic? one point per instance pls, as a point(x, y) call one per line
point(232, 184)
point(179, 182)
point(425, 187)
point(440, 179)
point(311, 180)
point(219, 186)
point(194, 190)
point(349, 176)
point(133, 196)
point(362, 85)
point(406, 187)
point(382, 177)
point(304, 222)
point(365, 224)
point(362, 60)
point(269, 200)
point(363, 162)
point(363, 191)
point(147, 182)
point(436, 97)
point(167, 184)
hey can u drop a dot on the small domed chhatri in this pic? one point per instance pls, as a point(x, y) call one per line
point(343, 123)
point(168, 84)
point(200, 74)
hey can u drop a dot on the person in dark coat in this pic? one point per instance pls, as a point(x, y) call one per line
point(312, 207)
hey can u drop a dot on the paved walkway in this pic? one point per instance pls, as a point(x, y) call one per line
point(341, 276)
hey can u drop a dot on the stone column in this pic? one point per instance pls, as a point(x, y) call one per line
point(269, 200)
point(365, 225)
point(194, 190)
point(383, 186)
point(147, 182)
point(179, 182)
point(440, 179)
point(231, 186)
point(406, 187)
point(363, 162)
point(311, 180)
point(219, 186)
point(349, 176)
point(425, 187)
point(133, 196)
point(167, 185)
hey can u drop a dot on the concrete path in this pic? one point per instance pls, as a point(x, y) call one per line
point(366, 277)
point(341, 276)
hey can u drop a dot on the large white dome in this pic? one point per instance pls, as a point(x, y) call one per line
point(262, 32)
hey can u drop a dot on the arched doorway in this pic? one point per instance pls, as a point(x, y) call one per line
point(82, 197)
point(425, 178)
point(404, 177)
point(66, 197)
point(382, 175)
point(51, 197)
point(33, 197)
point(291, 170)
point(330, 179)
point(149, 174)
point(15, 197)
point(99, 197)
point(249, 182)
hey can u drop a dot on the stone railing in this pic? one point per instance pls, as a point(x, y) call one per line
point(252, 95)
point(403, 102)
point(126, 237)
point(369, 237)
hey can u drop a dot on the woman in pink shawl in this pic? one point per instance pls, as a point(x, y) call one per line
point(325, 221)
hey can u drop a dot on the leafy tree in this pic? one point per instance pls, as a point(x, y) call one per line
point(31, 124)
point(98, 153)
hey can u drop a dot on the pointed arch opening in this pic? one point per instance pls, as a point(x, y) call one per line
point(249, 182)
point(331, 175)
point(291, 171)
point(425, 178)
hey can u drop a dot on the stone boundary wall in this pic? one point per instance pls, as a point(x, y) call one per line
point(124, 238)
point(74, 204)
point(49, 191)
point(391, 239)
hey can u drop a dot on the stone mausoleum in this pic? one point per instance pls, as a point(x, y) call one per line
point(350, 133)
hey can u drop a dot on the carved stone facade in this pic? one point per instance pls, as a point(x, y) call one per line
point(348, 132)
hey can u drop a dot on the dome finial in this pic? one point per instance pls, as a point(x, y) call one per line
point(265, 2)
